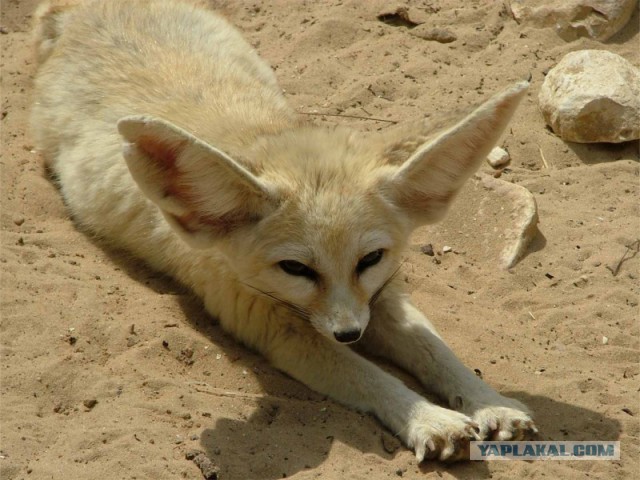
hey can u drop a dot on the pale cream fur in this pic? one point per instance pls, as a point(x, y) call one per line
point(170, 138)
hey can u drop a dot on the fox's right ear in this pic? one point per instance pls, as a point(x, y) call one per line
point(202, 192)
point(427, 180)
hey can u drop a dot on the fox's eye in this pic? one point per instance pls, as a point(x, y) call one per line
point(369, 260)
point(297, 269)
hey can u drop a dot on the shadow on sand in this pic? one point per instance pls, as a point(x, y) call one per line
point(292, 428)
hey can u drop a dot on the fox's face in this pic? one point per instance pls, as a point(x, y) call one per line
point(316, 219)
point(325, 269)
point(325, 253)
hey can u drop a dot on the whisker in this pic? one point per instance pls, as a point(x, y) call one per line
point(378, 292)
point(297, 309)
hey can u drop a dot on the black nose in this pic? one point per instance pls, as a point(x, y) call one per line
point(348, 336)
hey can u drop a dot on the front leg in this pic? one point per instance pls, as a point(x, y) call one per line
point(345, 376)
point(400, 332)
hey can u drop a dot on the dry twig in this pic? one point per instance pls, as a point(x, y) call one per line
point(359, 117)
point(544, 160)
point(633, 247)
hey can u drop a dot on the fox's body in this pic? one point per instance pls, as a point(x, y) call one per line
point(290, 233)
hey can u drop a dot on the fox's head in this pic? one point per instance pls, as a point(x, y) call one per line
point(314, 218)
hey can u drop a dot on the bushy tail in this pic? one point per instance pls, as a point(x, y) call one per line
point(49, 20)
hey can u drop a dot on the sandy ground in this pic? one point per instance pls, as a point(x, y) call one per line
point(112, 371)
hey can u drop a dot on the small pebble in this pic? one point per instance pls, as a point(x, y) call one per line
point(446, 249)
point(389, 444)
point(427, 249)
point(581, 282)
point(439, 35)
point(18, 220)
point(605, 340)
point(207, 467)
point(498, 157)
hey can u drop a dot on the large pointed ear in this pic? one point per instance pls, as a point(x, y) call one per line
point(202, 192)
point(425, 184)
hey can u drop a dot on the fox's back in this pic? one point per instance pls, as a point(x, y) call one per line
point(165, 59)
point(112, 59)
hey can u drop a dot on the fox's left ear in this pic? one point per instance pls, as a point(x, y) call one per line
point(425, 184)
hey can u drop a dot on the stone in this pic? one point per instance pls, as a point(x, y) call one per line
point(572, 19)
point(427, 249)
point(592, 96)
point(209, 469)
point(439, 35)
point(491, 220)
point(498, 157)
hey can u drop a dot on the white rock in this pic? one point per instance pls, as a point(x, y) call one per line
point(598, 19)
point(446, 249)
point(522, 218)
point(498, 157)
point(492, 221)
point(592, 96)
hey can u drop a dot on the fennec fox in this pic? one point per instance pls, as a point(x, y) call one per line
point(170, 138)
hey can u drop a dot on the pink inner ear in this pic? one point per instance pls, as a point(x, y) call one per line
point(162, 153)
point(165, 156)
point(219, 226)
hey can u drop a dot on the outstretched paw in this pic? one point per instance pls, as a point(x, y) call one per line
point(504, 419)
point(438, 433)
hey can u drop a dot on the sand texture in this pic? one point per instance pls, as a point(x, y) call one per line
point(109, 370)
